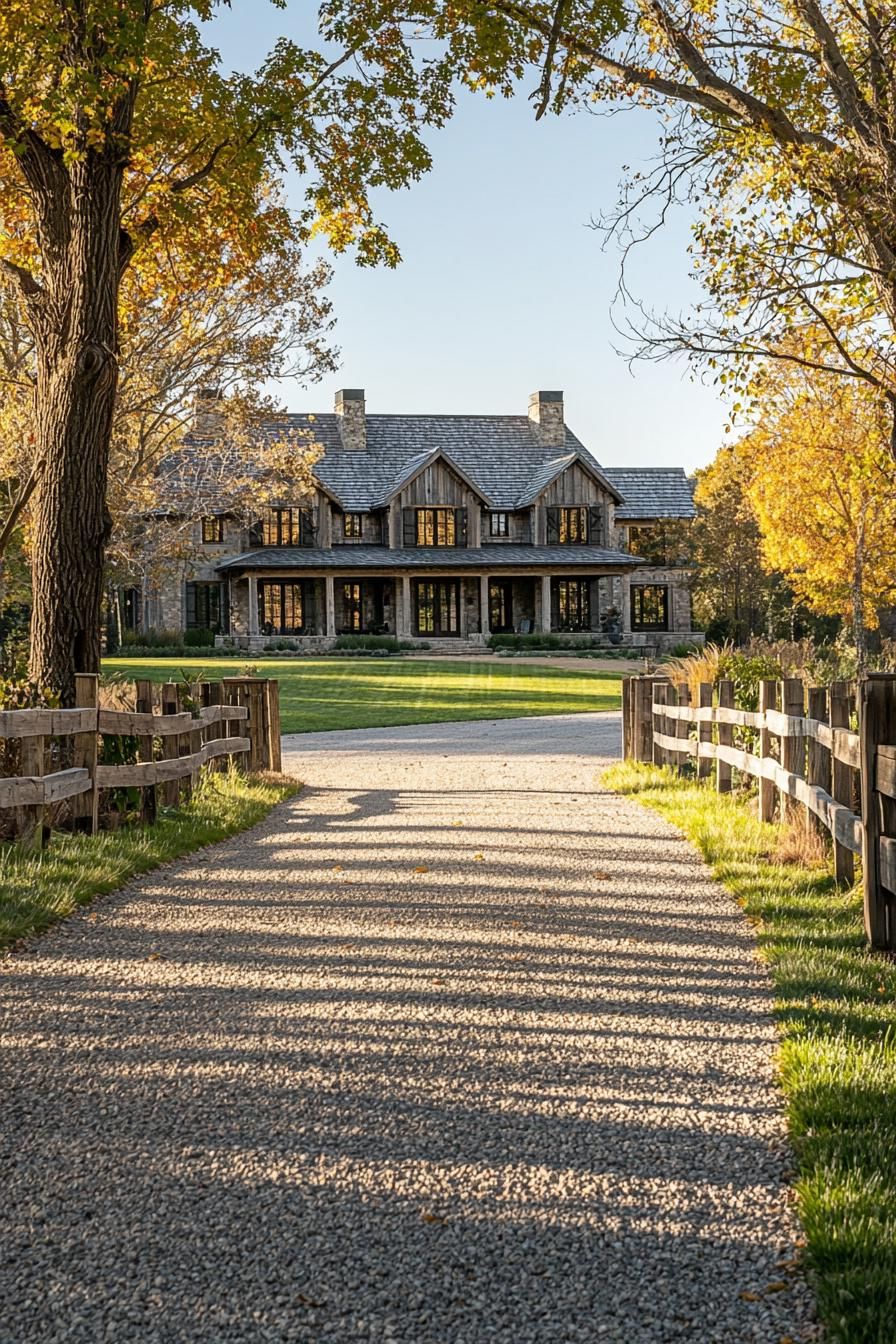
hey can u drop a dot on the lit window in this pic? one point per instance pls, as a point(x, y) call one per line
point(650, 607)
point(573, 526)
point(497, 525)
point(212, 531)
point(351, 526)
point(436, 527)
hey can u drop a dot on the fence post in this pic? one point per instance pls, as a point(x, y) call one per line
point(768, 699)
point(212, 695)
point(683, 727)
point(86, 806)
point(235, 693)
point(659, 695)
point(726, 736)
point(793, 749)
point(170, 747)
point(196, 695)
point(819, 763)
point(704, 729)
point(877, 727)
point(627, 699)
point(272, 722)
point(841, 781)
point(30, 818)
point(146, 749)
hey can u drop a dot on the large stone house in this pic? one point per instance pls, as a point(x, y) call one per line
point(442, 528)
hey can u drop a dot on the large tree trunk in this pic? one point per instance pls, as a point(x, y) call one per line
point(77, 376)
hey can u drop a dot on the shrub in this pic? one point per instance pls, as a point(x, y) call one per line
point(385, 643)
point(544, 640)
point(151, 639)
point(199, 639)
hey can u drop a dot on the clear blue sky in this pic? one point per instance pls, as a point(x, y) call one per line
point(504, 287)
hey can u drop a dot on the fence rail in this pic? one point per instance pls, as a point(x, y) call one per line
point(178, 730)
point(804, 755)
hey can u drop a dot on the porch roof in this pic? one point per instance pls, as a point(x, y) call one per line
point(486, 558)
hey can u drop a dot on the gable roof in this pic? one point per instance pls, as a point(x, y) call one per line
point(653, 492)
point(500, 457)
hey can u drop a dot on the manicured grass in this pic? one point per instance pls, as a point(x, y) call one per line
point(324, 693)
point(36, 892)
point(836, 1003)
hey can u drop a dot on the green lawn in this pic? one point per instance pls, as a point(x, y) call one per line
point(323, 693)
point(836, 1005)
point(37, 891)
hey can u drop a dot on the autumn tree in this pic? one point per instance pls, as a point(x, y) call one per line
point(823, 485)
point(779, 123)
point(120, 132)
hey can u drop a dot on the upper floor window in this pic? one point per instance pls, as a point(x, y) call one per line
point(436, 527)
point(498, 525)
point(212, 531)
point(351, 526)
point(287, 527)
point(576, 524)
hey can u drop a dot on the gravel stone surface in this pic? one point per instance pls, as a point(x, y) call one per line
point(454, 1048)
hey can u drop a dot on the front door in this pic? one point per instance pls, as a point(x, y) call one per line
point(500, 607)
point(437, 607)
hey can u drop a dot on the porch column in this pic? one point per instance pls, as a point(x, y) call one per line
point(406, 605)
point(330, 603)
point(253, 604)
point(545, 603)
point(626, 612)
point(484, 622)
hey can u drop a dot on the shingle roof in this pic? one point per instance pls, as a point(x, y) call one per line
point(500, 455)
point(652, 492)
point(433, 557)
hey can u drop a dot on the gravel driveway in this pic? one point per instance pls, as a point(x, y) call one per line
point(453, 1049)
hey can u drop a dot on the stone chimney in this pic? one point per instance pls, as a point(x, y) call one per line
point(352, 419)
point(208, 416)
point(546, 416)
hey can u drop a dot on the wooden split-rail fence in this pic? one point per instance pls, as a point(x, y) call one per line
point(802, 749)
point(176, 729)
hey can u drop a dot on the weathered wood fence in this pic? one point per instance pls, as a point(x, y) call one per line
point(800, 748)
point(178, 729)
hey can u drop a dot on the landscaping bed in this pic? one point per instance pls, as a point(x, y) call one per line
point(836, 1006)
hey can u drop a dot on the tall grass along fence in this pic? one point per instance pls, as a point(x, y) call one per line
point(800, 746)
point(86, 767)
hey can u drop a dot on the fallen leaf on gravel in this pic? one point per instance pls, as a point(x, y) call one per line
point(457, 823)
point(304, 1301)
point(432, 1218)
point(791, 1264)
point(338, 868)
point(601, 877)
point(777, 1287)
point(421, 868)
point(154, 956)
point(479, 858)
point(515, 924)
point(750, 1297)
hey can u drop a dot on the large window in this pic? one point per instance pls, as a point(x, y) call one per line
point(650, 606)
point(438, 607)
point(436, 527)
point(497, 525)
point(572, 599)
point(212, 531)
point(287, 527)
point(281, 607)
point(573, 526)
point(205, 607)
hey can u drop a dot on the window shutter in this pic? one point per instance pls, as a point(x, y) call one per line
point(460, 527)
point(256, 535)
point(555, 605)
point(190, 622)
point(596, 525)
point(409, 523)
point(553, 526)
point(306, 527)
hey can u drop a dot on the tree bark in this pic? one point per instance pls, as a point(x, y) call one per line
point(77, 375)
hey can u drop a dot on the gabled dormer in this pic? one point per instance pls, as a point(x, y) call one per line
point(435, 503)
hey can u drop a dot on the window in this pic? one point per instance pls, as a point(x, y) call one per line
point(351, 605)
point(287, 527)
point(438, 607)
point(436, 527)
point(212, 531)
point(573, 604)
point(497, 525)
point(650, 607)
point(281, 607)
point(351, 526)
point(573, 526)
point(204, 607)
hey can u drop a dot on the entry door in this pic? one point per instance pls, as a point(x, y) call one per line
point(500, 607)
point(438, 607)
